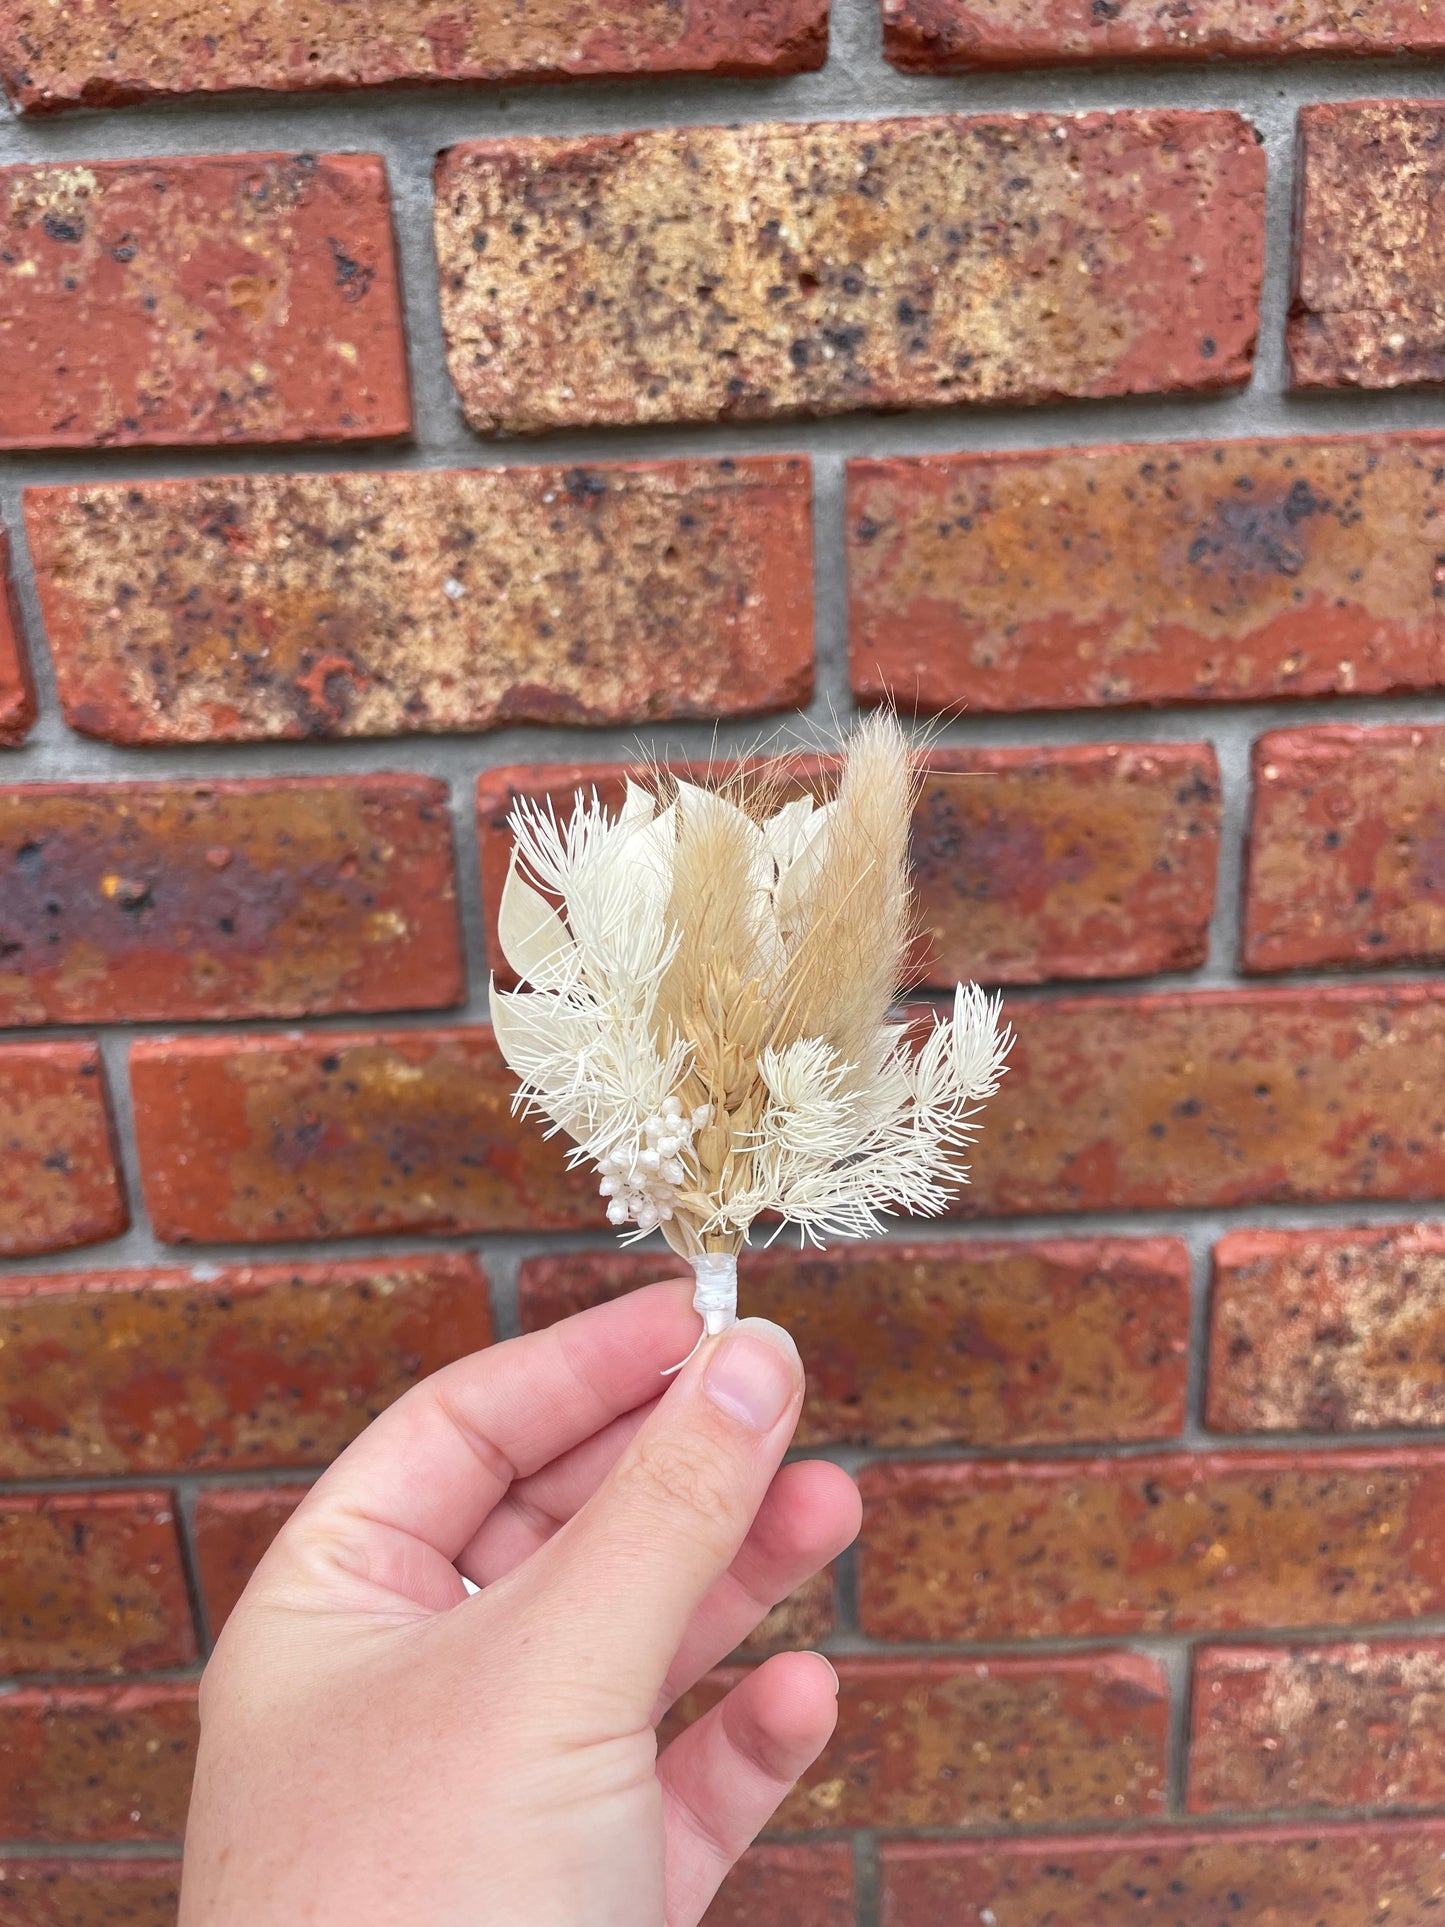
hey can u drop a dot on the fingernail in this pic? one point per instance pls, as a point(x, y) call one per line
point(837, 1687)
point(753, 1374)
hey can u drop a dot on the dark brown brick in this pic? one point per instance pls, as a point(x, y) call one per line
point(91, 59)
point(1327, 1331)
point(1135, 576)
point(279, 898)
point(986, 1343)
point(1114, 1546)
point(241, 1366)
point(338, 1134)
point(234, 1526)
point(17, 692)
point(59, 1183)
point(698, 273)
point(236, 298)
point(91, 1582)
point(1369, 249)
point(275, 606)
point(90, 1893)
point(787, 1886)
point(95, 1763)
point(1283, 1876)
point(1346, 849)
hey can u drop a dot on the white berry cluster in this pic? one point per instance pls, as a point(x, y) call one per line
point(641, 1179)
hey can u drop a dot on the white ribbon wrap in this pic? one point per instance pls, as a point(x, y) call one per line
point(715, 1299)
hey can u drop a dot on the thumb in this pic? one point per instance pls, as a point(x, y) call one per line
point(638, 1559)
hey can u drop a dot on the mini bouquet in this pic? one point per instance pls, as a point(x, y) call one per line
point(710, 974)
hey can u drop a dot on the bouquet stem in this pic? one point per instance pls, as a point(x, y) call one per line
point(715, 1299)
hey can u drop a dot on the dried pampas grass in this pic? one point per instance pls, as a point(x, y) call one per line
point(711, 973)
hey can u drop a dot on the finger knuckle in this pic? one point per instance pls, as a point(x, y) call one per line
point(674, 1476)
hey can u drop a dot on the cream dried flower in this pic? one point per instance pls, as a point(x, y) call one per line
point(711, 975)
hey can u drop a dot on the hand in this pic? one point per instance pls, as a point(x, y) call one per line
point(379, 1748)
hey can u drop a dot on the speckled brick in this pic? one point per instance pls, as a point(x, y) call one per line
point(1346, 849)
point(804, 1621)
point(241, 298)
point(168, 1371)
point(234, 1526)
point(1096, 860)
point(949, 1743)
point(92, 1582)
point(94, 55)
point(343, 1134)
point(1318, 1726)
point(266, 607)
point(59, 1182)
point(1282, 1876)
point(969, 36)
point(281, 898)
point(1174, 572)
point(90, 1893)
point(1369, 246)
point(703, 273)
point(1327, 1331)
point(97, 1763)
point(17, 692)
point(1207, 1543)
point(1217, 1098)
point(787, 1886)
point(984, 1343)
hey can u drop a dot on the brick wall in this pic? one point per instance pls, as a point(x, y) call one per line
point(1147, 1622)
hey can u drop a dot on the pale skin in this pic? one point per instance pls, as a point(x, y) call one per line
point(378, 1747)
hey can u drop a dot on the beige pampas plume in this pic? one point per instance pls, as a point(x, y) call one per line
point(710, 974)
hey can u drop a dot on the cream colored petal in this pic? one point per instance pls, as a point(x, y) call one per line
point(534, 939)
point(801, 874)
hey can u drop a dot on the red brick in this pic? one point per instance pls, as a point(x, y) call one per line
point(1184, 1543)
point(167, 1371)
point(969, 36)
point(90, 1893)
point(703, 273)
point(91, 58)
point(91, 1582)
point(258, 607)
point(59, 1184)
point(241, 298)
point(279, 898)
point(1219, 1097)
point(791, 1886)
point(1158, 573)
point(803, 1621)
point(1096, 860)
point(93, 1763)
point(986, 1343)
point(1346, 849)
point(1327, 1331)
point(1320, 1726)
point(947, 1742)
point(234, 1526)
point(245, 1139)
point(1277, 1876)
point(17, 692)
point(1369, 247)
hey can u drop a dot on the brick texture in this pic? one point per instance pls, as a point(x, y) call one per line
point(59, 1184)
point(787, 1886)
point(93, 56)
point(234, 1526)
point(1327, 1331)
point(1028, 864)
point(1175, 572)
point(1287, 1876)
point(1076, 1738)
point(804, 1621)
point(775, 270)
point(969, 36)
point(1178, 1544)
point(229, 899)
point(280, 606)
point(91, 1582)
point(1321, 1726)
point(1346, 849)
point(17, 692)
point(90, 1893)
point(986, 1343)
point(165, 1371)
point(97, 1763)
point(248, 298)
point(1369, 245)
point(245, 1139)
